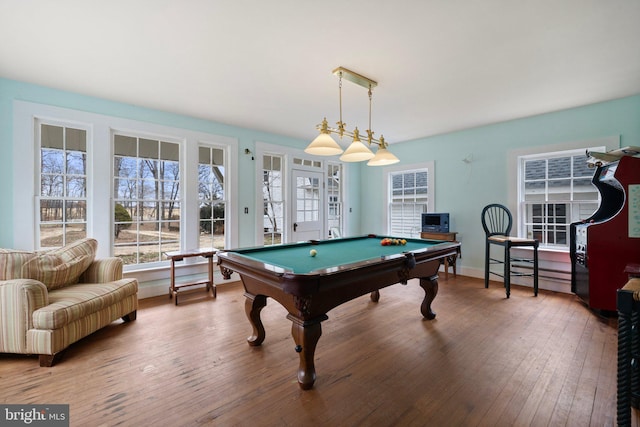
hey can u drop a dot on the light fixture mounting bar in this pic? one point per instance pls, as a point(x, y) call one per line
point(356, 78)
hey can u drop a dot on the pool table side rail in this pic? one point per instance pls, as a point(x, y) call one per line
point(303, 284)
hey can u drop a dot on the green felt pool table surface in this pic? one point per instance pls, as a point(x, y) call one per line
point(297, 259)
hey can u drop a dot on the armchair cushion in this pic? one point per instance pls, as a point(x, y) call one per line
point(63, 266)
point(68, 304)
point(102, 271)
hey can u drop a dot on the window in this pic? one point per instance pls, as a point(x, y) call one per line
point(273, 199)
point(146, 175)
point(555, 190)
point(408, 199)
point(63, 185)
point(334, 197)
point(211, 197)
point(99, 176)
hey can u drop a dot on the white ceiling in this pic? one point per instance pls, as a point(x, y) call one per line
point(441, 65)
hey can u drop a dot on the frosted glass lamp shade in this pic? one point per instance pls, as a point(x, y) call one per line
point(383, 157)
point(323, 145)
point(357, 152)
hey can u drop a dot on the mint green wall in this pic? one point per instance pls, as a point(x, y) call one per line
point(461, 189)
point(464, 189)
point(11, 90)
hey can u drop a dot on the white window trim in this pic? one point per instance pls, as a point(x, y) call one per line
point(431, 183)
point(100, 180)
point(513, 170)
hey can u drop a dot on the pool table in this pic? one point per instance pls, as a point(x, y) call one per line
point(309, 285)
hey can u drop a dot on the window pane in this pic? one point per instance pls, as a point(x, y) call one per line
point(76, 187)
point(170, 211)
point(149, 169)
point(275, 163)
point(51, 185)
point(148, 149)
point(52, 161)
point(534, 191)
point(51, 210)
point(559, 167)
point(51, 137)
point(584, 190)
point(75, 232)
point(421, 179)
point(148, 189)
point(535, 169)
point(75, 211)
point(409, 180)
point(169, 151)
point(580, 167)
point(125, 146)
point(396, 181)
point(76, 162)
point(51, 235)
point(76, 139)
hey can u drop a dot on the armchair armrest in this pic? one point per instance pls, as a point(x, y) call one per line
point(102, 271)
point(19, 298)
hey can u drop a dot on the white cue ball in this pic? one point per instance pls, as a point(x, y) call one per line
point(313, 252)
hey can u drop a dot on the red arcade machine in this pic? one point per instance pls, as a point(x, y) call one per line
point(603, 244)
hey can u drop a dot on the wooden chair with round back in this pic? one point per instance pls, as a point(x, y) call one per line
point(497, 222)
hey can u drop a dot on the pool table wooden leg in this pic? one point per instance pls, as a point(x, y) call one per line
point(252, 306)
point(430, 286)
point(306, 335)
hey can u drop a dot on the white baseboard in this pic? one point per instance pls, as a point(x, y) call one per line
point(543, 283)
point(156, 286)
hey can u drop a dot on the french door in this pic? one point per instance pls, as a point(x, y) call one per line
point(308, 205)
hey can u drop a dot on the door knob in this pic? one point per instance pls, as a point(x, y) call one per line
point(295, 226)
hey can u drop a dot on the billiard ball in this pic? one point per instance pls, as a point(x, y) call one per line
point(313, 252)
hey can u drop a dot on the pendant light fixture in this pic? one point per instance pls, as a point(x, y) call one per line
point(325, 145)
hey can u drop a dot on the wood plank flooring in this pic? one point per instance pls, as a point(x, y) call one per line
point(484, 361)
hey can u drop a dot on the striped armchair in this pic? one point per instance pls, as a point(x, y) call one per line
point(49, 300)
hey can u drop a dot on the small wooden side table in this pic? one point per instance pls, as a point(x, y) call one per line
point(176, 256)
point(449, 261)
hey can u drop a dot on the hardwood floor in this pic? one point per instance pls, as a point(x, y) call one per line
point(484, 361)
